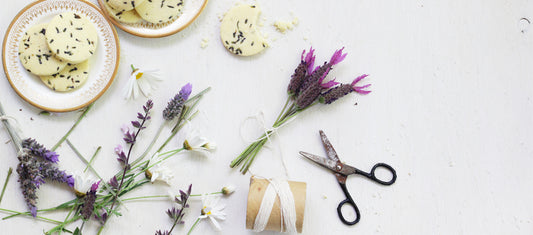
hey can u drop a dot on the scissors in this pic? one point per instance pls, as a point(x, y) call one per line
point(342, 171)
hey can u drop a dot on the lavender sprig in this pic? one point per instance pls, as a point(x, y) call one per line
point(89, 200)
point(37, 164)
point(175, 213)
point(130, 137)
point(175, 105)
point(307, 87)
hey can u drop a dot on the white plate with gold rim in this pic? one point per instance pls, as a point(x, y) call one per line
point(191, 11)
point(103, 65)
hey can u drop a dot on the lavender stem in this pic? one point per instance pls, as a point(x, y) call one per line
point(9, 172)
point(72, 128)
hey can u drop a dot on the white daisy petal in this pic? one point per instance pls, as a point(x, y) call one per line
point(83, 182)
point(215, 223)
point(141, 81)
point(159, 171)
point(212, 210)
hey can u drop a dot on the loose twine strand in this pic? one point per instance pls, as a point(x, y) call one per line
point(10, 118)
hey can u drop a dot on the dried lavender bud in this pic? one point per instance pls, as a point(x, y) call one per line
point(297, 78)
point(36, 164)
point(335, 93)
point(55, 174)
point(39, 150)
point(159, 232)
point(29, 181)
point(174, 213)
point(88, 204)
point(175, 105)
point(149, 105)
point(314, 77)
point(308, 96)
point(320, 73)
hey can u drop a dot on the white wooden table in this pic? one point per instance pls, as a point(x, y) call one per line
point(451, 110)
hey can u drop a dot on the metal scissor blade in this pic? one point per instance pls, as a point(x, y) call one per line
point(330, 151)
point(327, 163)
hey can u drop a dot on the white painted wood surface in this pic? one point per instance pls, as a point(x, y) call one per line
point(451, 110)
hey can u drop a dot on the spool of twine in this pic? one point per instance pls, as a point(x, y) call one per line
point(275, 205)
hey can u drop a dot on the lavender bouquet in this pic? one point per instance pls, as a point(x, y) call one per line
point(308, 86)
point(102, 198)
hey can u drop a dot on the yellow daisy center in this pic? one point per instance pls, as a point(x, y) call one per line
point(204, 212)
point(139, 75)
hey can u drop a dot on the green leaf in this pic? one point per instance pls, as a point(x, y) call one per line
point(77, 231)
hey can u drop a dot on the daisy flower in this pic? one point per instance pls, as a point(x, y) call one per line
point(158, 171)
point(83, 183)
point(213, 210)
point(197, 143)
point(141, 81)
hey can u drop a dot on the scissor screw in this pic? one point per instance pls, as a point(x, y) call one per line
point(339, 167)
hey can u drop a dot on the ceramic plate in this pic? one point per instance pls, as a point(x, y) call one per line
point(191, 10)
point(103, 65)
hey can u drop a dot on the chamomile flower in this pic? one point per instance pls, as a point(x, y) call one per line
point(212, 209)
point(141, 81)
point(158, 171)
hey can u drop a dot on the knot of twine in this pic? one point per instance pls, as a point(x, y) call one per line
point(277, 189)
point(260, 118)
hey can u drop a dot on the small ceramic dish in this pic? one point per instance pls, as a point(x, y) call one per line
point(191, 11)
point(103, 64)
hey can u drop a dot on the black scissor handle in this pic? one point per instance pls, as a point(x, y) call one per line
point(350, 202)
point(372, 174)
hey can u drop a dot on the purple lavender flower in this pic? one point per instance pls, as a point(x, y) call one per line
point(176, 214)
point(39, 150)
point(305, 67)
point(359, 89)
point(88, 205)
point(331, 83)
point(37, 164)
point(308, 96)
point(335, 93)
point(159, 232)
point(336, 58)
point(320, 72)
point(175, 105)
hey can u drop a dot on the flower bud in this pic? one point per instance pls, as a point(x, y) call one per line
point(227, 190)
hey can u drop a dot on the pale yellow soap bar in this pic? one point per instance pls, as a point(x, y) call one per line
point(239, 33)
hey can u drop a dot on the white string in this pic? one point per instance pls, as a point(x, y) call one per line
point(9, 118)
point(260, 117)
point(280, 189)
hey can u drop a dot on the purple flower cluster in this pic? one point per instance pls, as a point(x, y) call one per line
point(175, 105)
point(88, 205)
point(307, 83)
point(37, 164)
point(176, 214)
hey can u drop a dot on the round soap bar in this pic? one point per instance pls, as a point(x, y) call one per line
point(70, 78)
point(239, 33)
point(128, 17)
point(160, 11)
point(124, 5)
point(72, 37)
point(35, 55)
